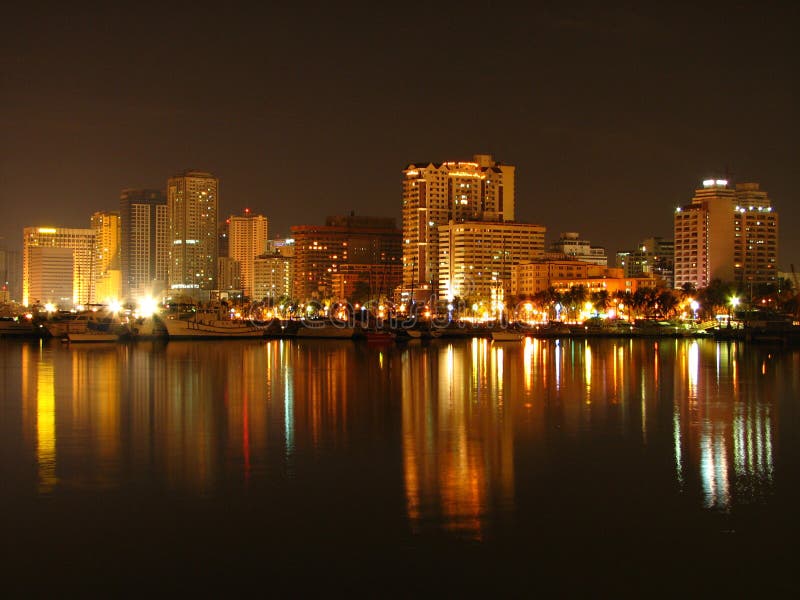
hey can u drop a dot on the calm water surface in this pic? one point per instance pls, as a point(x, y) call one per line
point(607, 465)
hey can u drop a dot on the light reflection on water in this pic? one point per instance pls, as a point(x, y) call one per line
point(204, 418)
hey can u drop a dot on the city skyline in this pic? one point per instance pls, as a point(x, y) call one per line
point(612, 115)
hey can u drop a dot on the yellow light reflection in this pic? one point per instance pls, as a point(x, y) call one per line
point(46, 426)
point(527, 367)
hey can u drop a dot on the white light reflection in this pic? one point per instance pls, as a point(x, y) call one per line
point(693, 369)
point(557, 359)
point(527, 367)
point(587, 370)
point(676, 440)
point(714, 468)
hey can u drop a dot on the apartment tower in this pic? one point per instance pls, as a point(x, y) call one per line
point(192, 206)
point(107, 277)
point(144, 252)
point(247, 239)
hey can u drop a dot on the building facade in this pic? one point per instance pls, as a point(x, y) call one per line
point(755, 244)
point(434, 194)
point(192, 205)
point(81, 242)
point(563, 274)
point(107, 275)
point(726, 233)
point(144, 252)
point(272, 277)
point(654, 257)
point(50, 276)
point(10, 273)
point(353, 252)
point(229, 275)
point(571, 245)
point(247, 239)
point(476, 257)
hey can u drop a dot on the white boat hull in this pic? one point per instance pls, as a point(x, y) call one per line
point(190, 329)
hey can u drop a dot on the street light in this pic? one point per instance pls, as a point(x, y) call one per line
point(694, 304)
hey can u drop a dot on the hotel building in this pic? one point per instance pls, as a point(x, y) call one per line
point(107, 275)
point(726, 233)
point(434, 194)
point(247, 238)
point(476, 257)
point(37, 264)
point(192, 205)
point(144, 249)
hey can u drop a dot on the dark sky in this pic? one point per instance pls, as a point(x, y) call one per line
point(612, 115)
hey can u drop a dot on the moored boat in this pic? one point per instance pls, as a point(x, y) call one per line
point(207, 326)
point(91, 336)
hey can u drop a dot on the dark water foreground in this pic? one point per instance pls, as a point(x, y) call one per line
point(464, 467)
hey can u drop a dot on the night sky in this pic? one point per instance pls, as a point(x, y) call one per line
point(612, 115)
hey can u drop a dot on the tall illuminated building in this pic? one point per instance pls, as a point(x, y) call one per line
point(81, 243)
point(755, 245)
point(107, 275)
point(272, 277)
point(476, 257)
point(726, 233)
point(144, 251)
point(247, 239)
point(192, 205)
point(434, 194)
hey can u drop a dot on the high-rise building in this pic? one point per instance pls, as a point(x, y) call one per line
point(107, 275)
point(247, 238)
point(10, 273)
point(193, 201)
point(272, 277)
point(726, 233)
point(144, 251)
point(229, 276)
point(348, 256)
point(653, 257)
point(434, 194)
point(571, 244)
point(50, 276)
point(79, 241)
point(755, 245)
point(475, 257)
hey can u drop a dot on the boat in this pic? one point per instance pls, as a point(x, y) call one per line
point(101, 321)
point(324, 329)
point(148, 328)
point(17, 327)
point(91, 336)
point(209, 326)
point(506, 335)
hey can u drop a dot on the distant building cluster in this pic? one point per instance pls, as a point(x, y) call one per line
point(458, 240)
